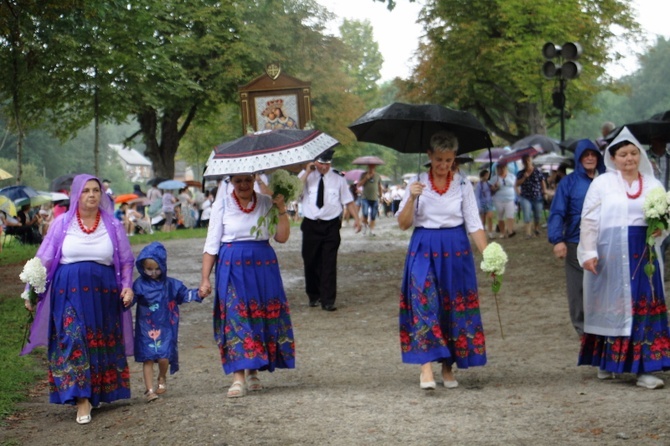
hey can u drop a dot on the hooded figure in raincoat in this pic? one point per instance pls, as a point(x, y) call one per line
point(157, 320)
point(625, 314)
point(565, 220)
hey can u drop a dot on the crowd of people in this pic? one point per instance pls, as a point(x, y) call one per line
point(596, 224)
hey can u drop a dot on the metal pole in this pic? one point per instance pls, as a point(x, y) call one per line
point(562, 92)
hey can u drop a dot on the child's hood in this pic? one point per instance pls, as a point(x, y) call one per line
point(156, 252)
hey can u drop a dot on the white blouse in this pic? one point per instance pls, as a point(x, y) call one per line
point(228, 223)
point(81, 247)
point(456, 207)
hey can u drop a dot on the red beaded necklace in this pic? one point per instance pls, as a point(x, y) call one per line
point(84, 229)
point(639, 192)
point(432, 184)
point(243, 209)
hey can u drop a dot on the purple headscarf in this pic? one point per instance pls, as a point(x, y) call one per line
point(50, 253)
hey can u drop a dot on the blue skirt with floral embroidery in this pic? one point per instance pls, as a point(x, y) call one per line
point(86, 353)
point(647, 349)
point(252, 321)
point(439, 303)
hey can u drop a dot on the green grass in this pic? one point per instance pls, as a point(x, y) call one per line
point(19, 373)
point(15, 252)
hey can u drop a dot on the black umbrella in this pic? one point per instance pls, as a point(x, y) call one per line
point(408, 128)
point(63, 182)
point(569, 145)
point(156, 181)
point(24, 194)
point(658, 126)
point(546, 143)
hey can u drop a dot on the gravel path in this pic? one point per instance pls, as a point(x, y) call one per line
point(350, 387)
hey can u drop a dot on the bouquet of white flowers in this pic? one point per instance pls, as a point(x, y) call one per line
point(35, 275)
point(656, 208)
point(494, 262)
point(282, 182)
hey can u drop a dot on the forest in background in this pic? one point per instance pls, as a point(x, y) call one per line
point(344, 71)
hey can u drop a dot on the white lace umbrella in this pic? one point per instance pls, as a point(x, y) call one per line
point(270, 149)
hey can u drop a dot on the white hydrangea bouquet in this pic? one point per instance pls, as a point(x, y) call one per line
point(281, 182)
point(34, 274)
point(494, 262)
point(656, 208)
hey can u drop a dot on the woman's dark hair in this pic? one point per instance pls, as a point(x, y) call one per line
point(613, 149)
point(483, 173)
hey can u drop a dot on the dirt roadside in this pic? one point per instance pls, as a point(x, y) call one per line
point(349, 385)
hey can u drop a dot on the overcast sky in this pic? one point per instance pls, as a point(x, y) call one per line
point(397, 33)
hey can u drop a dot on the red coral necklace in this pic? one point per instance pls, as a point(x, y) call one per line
point(432, 183)
point(84, 229)
point(243, 209)
point(640, 183)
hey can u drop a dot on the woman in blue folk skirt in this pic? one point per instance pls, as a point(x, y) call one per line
point(440, 319)
point(252, 322)
point(625, 314)
point(82, 317)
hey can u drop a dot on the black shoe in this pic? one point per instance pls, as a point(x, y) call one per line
point(329, 308)
point(512, 235)
point(313, 303)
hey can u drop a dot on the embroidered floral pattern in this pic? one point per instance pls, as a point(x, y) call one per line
point(238, 338)
point(86, 352)
point(458, 328)
point(647, 349)
point(253, 331)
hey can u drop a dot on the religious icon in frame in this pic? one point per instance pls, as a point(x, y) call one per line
point(276, 112)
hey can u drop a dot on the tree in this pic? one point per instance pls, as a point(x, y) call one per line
point(638, 96)
point(207, 132)
point(23, 93)
point(485, 57)
point(649, 85)
point(365, 62)
point(293, 33)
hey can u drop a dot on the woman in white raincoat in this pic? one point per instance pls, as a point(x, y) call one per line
point(625, 318)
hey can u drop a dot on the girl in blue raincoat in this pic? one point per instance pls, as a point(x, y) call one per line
point(157, 319)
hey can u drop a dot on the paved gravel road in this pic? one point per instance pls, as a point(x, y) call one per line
point(350, 387)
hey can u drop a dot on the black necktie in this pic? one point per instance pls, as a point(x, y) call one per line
point(319, 194)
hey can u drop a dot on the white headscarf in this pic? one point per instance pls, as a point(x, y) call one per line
point(645, 167)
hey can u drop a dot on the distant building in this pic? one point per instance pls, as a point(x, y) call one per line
point(137, 167)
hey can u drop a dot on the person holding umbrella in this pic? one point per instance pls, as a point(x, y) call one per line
point(439, 317)
point(532, 190)
point(324, 194)
point(252, 321)
point(502, 186)
point(371, 183)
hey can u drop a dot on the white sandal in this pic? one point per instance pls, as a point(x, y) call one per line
point(162, 385)
point(254, 383)
point(237, 390)
point(150, 395)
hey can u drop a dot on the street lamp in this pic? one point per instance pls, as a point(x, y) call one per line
point(566, 67)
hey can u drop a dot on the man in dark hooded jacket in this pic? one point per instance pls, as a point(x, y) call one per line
point(564, 222)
